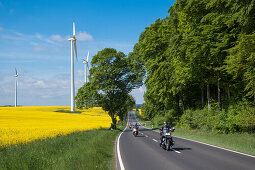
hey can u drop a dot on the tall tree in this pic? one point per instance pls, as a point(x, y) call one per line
point(114, 76)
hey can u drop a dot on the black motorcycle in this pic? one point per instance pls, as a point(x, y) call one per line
point(167, 140)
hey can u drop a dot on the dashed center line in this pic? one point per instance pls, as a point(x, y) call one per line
point(176, 151)
point(155, 140)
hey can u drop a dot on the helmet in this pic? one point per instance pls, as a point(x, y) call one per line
point(165, 123)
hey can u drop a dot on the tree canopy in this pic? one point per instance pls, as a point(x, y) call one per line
point(202, 51)
point(114, 75)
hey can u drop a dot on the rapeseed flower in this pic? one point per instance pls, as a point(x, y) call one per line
point(20, 125)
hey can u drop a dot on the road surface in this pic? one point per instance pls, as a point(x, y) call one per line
point(143, 153)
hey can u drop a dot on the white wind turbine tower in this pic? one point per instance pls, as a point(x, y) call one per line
point(16, 87)
point(86, 63)
point(73, 45)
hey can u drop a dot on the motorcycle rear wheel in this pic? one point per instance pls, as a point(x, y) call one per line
point(168, 144)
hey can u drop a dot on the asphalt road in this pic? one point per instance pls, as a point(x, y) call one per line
point(143, 152)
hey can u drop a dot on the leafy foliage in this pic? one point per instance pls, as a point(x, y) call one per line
point(202, 51)
point(86, 96)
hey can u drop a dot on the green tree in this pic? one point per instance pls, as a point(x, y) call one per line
point(128, 105)
point(241, 62)
point(114, 77)
point(86, 96)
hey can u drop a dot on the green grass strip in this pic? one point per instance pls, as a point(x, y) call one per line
point(82, 150)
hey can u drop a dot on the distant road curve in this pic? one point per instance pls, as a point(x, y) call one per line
point(143, 153)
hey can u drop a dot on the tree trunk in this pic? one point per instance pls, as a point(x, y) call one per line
point(113, 125)
point(202, 96)
point(219, 93)
point(177, 102)
point(183, 106)
point(208, 96)
point(228, 93)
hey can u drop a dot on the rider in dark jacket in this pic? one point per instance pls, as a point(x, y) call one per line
point(136, 125)
point(162, 129)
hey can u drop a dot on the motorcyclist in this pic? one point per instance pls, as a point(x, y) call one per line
point(130, 125)
point(136, 126)
point(163, 131)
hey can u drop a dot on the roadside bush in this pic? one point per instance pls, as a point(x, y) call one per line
point(158, 120)
point(238, 118)
point(171, 117)
point(186, 120)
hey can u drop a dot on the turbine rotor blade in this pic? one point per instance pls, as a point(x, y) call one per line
point(73, 29)
point(88, 57)
point(16, 71)
point(75, 49)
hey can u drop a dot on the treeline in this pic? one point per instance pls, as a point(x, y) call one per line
point(200, 65)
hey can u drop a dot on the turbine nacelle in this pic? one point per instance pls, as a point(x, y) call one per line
point(73, 40)
point(16, 73)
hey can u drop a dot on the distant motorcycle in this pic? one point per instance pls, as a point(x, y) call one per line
point(135, 131)
point(167, 142)
point(130, 126)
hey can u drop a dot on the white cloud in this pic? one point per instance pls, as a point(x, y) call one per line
point(84, 36)
point(57, 38)
point(142, 89)
point(81, 36)
point(38, 48)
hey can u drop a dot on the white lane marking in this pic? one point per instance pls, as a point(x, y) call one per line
point(146, 136)
point(218, 147)
point(155, 140)
point(176, 151)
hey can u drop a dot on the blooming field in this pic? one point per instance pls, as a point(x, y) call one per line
point(25, 124)
point(140, 112)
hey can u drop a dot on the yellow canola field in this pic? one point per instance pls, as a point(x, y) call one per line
point(19, 125)
point(140, 112)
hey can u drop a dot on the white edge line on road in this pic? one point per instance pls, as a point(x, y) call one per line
point(118, 148)
point(155, 140)
point(118, 151)
point(211, 145)
point(217, 147)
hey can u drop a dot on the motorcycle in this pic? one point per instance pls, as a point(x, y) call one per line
point(167, 141)
point(130, 126)
point(135, 131)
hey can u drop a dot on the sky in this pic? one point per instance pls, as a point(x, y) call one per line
point(34, 39)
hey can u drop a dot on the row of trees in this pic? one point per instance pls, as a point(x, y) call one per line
point(112, 77)
point(201, 54)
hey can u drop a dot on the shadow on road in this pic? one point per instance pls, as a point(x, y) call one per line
point(181, 149)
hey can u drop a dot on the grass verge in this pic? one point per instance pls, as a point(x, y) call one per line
point(242, 142)
point(81, 150)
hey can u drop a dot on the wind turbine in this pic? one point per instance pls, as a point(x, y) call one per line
point(73, 45)
point(16, 87)
point(86, 62)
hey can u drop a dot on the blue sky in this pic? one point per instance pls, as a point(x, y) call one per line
point(33, 39)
